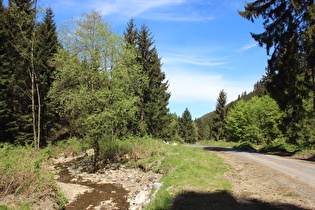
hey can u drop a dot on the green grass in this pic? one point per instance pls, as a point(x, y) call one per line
point(219, 143)
point(185, 169)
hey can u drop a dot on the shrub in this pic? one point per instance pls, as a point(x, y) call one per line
point(256, 121)
point(21, 171)
point(248, 146)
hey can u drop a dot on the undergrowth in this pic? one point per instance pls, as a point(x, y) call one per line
point(22, 172)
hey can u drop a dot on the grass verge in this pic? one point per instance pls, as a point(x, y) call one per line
point(186, 169)
point(220, 143)
point(23, 175)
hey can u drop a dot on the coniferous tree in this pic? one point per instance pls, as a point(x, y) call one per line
point(154, 111)
point(219, 119)
point(289, 38)
point(19, 25)
point(130, 34)
point(45, 47)
point(187, 128)
point(152, 115)
point(5, 80)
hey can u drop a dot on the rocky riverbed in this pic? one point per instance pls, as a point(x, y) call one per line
point(112, 187)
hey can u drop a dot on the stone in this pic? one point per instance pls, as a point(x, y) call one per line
point(141, 197)
point(157, 185)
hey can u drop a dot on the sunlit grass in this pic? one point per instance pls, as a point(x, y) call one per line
point(219, 143)
point(185, 169)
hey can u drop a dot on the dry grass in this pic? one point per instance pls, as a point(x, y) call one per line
point(22, 174)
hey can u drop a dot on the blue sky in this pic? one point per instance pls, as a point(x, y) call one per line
point(205, 45)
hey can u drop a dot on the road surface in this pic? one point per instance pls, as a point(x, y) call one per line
point(301, 170)
point(272, 179)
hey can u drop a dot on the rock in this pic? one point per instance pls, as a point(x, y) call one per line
point(90, 152)
point(141, 197)
point(157, 185)
point(56, 176)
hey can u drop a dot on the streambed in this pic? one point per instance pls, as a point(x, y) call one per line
point(111, 187)
point(97, 195)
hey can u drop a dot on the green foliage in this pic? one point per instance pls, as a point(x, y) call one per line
point(16, 28)
point(219, 119)
point(187, 127)
point(248, 146)
point(289, 38)
point(282, 148)
point(186, 169)
point(132, 149)
point(220, 143)
point(93, 85)
point(21, 171)
point(45, 47)
point(256, 121)
point(61, 200)
point(152, 116)
point(26, 74)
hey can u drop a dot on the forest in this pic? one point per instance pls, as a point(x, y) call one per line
point(89, 87)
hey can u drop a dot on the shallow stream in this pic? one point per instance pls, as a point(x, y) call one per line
point(113, 194)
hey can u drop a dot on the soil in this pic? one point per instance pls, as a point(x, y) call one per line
point(258, 186)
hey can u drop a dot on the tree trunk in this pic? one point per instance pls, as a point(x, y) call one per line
point(39, 112)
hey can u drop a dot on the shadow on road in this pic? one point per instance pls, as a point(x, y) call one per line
point(222, 200)
point(224, 149)
point(278, 153)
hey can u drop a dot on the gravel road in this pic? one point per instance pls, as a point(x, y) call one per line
point(265, 175)
point(303, 171)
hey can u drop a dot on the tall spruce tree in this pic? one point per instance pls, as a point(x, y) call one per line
point(289, 38)
point(187, 128)
point(19, 25)
point(152, 116)
point(219, 118)
point(154, 100)
point(5, 80)
point(46, 46)
point(130, 34)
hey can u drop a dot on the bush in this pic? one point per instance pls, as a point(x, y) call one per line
point(256, 121)
point(133, 148)
point(284, 148)
point(21, 171)
point(248, 146)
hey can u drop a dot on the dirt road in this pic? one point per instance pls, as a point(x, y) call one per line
point(270, 178)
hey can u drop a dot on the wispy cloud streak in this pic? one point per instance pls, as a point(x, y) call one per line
point(162, 10)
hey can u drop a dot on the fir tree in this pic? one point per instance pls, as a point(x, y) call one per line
point(219, 119)
point(154, 99)
point(16, 57)
point(5, 80)
point(130, 34)
point(45, 48)
point(187, 128)
point(289, 39)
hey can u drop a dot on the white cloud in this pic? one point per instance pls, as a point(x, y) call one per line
point(199, 60)
point(177, 17)
point(163, 10)
point(248, 46)
point(192, 87)
point(132, 7)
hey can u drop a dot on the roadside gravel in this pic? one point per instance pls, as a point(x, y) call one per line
point(269, 179)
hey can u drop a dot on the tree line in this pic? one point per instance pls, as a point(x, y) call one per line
point(281, 107)
point(84, 81)
point(90, 83)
